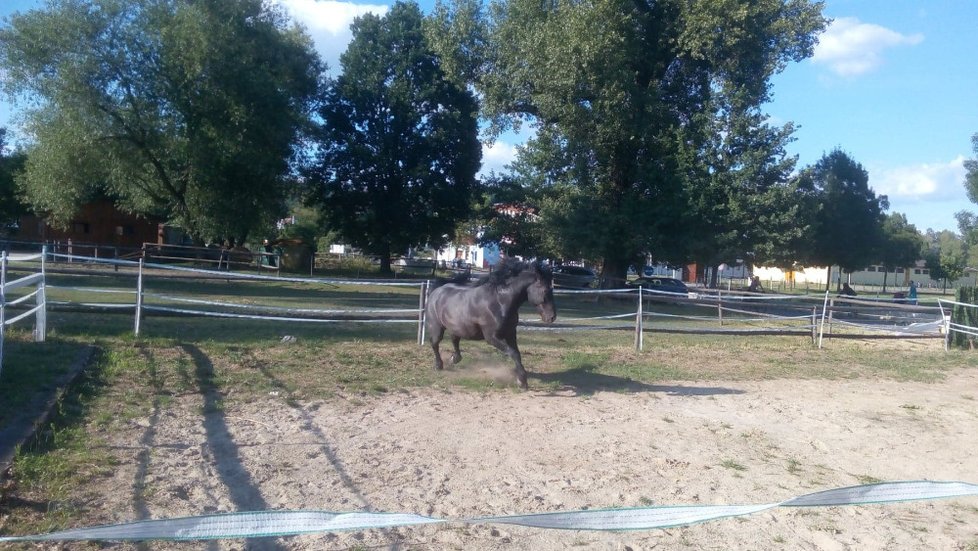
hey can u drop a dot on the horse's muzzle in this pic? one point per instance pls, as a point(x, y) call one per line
point(547, 315)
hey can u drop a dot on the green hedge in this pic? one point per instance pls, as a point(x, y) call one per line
point(965, 316)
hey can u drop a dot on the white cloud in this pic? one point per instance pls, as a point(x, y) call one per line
point(850, 47)
point(925, 182)
point(495, 157)
point(328, 22)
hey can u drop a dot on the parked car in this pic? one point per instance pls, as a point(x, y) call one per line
point(573, 276)
point(662, 284)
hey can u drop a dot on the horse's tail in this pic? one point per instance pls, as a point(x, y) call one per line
point(460, 279)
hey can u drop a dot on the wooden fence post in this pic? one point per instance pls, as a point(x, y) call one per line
point(139, 298)
point(422, 303)
point(3, 300)
point(720, 306)
point(41, 316)
point(639, 344)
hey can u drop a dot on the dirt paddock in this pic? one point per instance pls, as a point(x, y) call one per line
point(459, 454)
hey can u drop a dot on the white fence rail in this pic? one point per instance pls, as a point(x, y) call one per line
point(697, 312)
point(37, 280)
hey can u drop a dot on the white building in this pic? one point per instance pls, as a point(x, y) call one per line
point(872, 276)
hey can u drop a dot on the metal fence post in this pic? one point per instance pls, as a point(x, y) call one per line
point(821, 332)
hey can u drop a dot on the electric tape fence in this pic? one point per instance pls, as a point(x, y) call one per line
point(303, 522)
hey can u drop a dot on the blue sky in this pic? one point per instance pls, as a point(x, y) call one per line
point(892, 83)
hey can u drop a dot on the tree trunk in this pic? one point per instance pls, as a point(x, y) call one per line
point(385, 261)
point(885, 274)
point(613, 273)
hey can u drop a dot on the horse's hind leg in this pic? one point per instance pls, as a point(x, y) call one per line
point(436, 336)
point(457, 355)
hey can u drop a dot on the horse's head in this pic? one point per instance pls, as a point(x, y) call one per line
point(540, 293)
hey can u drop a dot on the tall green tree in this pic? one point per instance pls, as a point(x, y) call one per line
point(946, 256)
point(968, 228)
point(971, 171)
point(848, 228)
point(901, 245)
point(11, 206)
point(788, 241)
point(629, 91)
point(968, 221)
point(184, 109)
point(399, 146)
point(738, 182)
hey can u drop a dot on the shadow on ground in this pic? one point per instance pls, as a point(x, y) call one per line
point(584, 380)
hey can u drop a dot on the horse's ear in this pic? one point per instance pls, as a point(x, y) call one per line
point(543, 269)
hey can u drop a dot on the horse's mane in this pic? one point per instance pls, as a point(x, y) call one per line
point(509, 269)
point(500, 276)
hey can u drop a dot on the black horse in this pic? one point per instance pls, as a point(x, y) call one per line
point(489, 309)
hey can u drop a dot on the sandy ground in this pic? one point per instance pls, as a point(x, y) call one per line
point(457, 454)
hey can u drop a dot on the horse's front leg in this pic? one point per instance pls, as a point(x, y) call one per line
point(436, 334)
point(457, 355)
point(507, 344)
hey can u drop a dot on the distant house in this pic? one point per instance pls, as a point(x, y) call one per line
point(483, 256)
point(99, 223)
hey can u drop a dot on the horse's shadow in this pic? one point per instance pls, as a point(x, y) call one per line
point(584, 380)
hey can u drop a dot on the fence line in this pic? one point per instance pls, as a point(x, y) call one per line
point(770, 308)
point(950, 325)
point(39, 311)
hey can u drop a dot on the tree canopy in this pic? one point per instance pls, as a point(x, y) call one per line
point(971, 171)
point(182, 109)
point(946, 256)
point(901, 245)
point(11, 206)
point(848, 225)
point(646, 103)
point(398, 146)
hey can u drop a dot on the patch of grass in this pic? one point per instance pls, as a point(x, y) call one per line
point(31, 370)
point(794, 466)
point(733, 465)
point(63, 457)
point(868, 479)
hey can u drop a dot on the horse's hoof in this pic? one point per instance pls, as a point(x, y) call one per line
point(523, 384)
point(439, 367)
point(456, 359)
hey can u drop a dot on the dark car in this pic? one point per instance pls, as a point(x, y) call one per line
point(659, 284)
point(573, 276)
